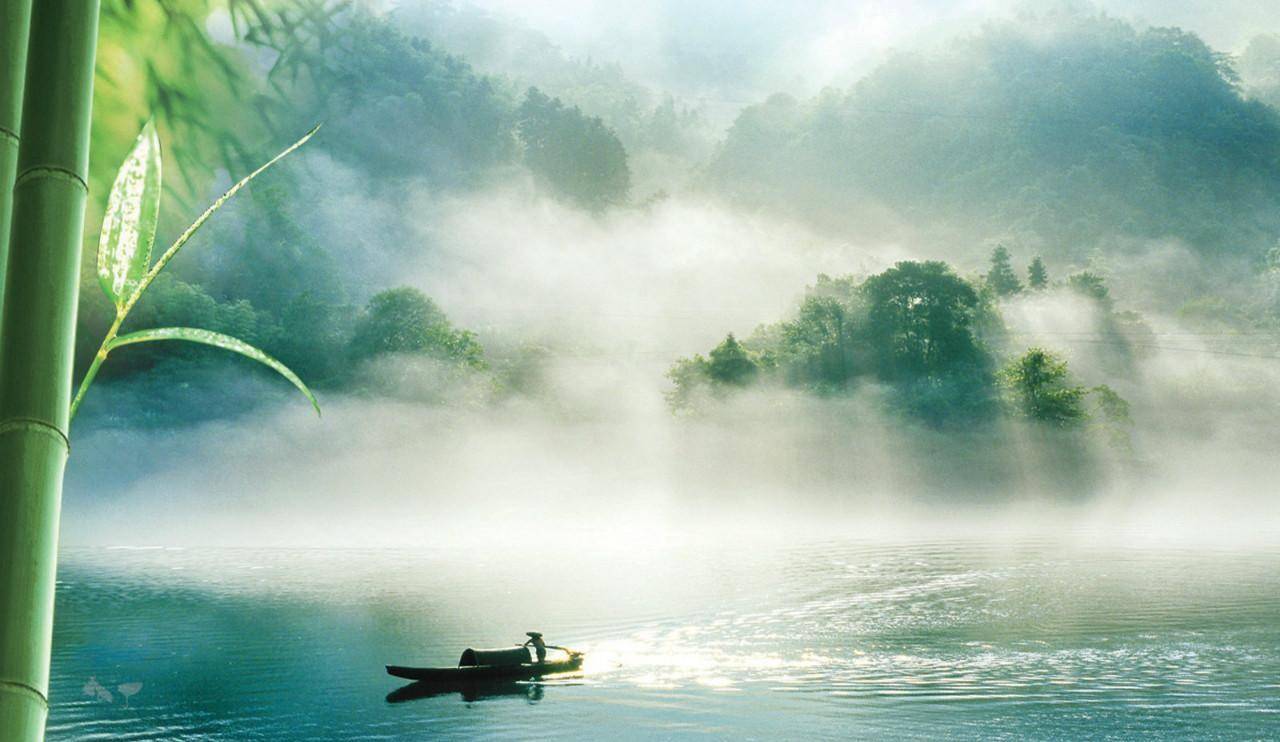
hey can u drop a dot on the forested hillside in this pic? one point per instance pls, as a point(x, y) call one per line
point(1075, 137)
point(1059, 131)
point(398, 113)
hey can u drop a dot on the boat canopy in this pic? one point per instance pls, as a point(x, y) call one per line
point(494, 657)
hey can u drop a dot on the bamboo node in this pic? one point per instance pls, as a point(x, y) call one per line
point(53, 173)
point(24, 690)
point(32, 425)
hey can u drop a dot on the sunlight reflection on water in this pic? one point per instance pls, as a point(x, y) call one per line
point(823, 639)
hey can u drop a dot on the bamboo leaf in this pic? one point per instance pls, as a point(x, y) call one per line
point(200, 220)
point(218, 340)
point(129, 225)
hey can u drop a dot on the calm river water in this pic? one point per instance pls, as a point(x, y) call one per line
point(741, 639)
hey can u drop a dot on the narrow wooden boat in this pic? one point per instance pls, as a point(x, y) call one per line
point(491, 664)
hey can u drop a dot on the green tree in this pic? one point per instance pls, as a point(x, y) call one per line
point(1037, 386)
point(576, 155)
point(921, 332)
point(404, 320)
point(731, 364)
point(268, 256)
point(816, 348)
point(912, 327)
point(1037, 275)
point(313, 336)
point(173, 302)
point(378, 89)
point(1112, 413)
point(1091, 285)
point(689, 378)
point(1001, 277)
point(822, 349)
point(920, 320)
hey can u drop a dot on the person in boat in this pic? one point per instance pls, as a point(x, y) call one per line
point(539, 646)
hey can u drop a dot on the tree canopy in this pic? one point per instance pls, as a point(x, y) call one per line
point(578, 156)
point(1063, 129)
point(1001, 278)
point(913, 327)
point(1039, 388)
point(1037, 274)
point(930, 338)
point(404, 320)
point(921, 319)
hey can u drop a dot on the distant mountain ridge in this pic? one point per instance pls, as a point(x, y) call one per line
point(1059, 131)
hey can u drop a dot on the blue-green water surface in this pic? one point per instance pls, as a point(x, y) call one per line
point(739, 639)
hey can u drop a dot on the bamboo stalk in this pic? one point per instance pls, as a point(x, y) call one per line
point(15, 21)
point(37, 330)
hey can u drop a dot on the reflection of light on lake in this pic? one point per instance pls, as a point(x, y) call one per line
point(672, 660)
point(814, 640)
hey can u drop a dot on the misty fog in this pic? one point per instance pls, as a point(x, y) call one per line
point(420, 452)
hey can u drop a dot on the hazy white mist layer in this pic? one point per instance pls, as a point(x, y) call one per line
point(729, 51)
point(619, 297)
point(597, 453)
point(670, 279)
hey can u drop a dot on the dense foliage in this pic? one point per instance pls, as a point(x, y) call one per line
point(275, 279)
point(1037, 274)
point(404, 320)
point(1039, 388)
point(1002, 279)
point(1057, 130)
point(931, 338)
point(645, 120)
point(916, 328)
point(577, 156)
point(378, 89)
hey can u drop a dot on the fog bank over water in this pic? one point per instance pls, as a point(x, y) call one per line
point(606, 462)
point(596, 455)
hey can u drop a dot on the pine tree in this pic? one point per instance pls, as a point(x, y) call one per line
point(1037, 276)
point(1002, 279)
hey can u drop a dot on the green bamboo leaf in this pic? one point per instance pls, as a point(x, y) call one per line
point(218, 340)
point(129, 225)
point(186, 235)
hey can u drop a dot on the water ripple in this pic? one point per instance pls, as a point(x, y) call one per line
point(823, 640)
